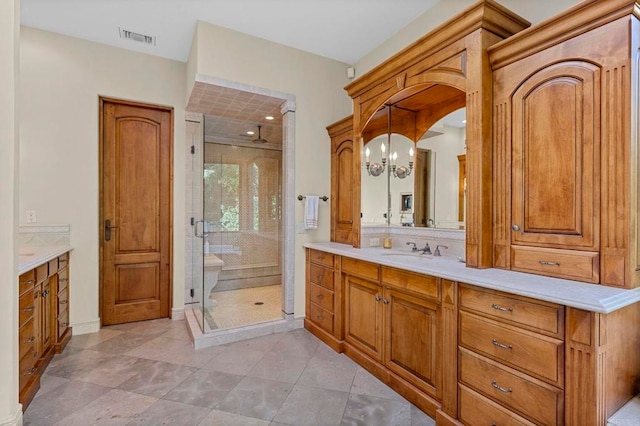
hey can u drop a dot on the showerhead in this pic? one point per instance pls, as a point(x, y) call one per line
point(259, 140)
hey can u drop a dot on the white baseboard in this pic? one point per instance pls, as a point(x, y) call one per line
point(177, 314)
point(86, 327)
point(14, 419)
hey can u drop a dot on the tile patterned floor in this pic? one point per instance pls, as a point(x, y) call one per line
point(236, 308)
point(148, 373)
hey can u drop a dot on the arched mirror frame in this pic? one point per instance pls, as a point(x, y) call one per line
point(454, 54)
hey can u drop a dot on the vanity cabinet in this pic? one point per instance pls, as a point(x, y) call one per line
point(345, 187)
point(41, 331)
point(564, 148)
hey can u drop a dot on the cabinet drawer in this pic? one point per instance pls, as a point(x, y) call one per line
point(27, 368)
point(63, 279)
point(535, 400)
point(63, 322)
point(53, 266)
point(42, 272)
point(322, 297)
point(321, 258)
point(475, 409)
point(574, 265)
point(27, 306)
point(321, 318)
point(27, 337)
point(63, 300)
point(539, 355)
point(321, 276)
point(424, 285)
point(546, 318)
point(63, 260)
point(26, 281)
point(360, 268)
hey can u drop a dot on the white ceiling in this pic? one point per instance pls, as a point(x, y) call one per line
point(344, 30)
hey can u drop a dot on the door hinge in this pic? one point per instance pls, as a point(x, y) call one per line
point(193, 149)
point(193, 221)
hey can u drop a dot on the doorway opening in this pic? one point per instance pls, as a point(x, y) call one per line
point(240, 195)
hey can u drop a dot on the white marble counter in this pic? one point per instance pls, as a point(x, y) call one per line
point(590, 297)
point(31, 257)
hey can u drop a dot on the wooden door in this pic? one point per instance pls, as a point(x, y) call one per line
point(555, 170)
point(411, 339)
point(363, 316)
point(135, 232)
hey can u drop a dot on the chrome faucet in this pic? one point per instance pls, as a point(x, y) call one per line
point(414, 248)
point(437, 252)
point(426, 249)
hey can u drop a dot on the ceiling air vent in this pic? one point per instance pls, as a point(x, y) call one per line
point(142, 38)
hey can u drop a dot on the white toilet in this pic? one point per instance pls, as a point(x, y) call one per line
point(212, 266)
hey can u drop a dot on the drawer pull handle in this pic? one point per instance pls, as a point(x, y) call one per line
point(29, 309)
point(500, 308)
point(30, 371)
point(500, 388)
point(546, 262)
point(29, 282)
point(501, 345)
point(378, 298)
point(63, 302)
point(385, 301)
point(30, 339)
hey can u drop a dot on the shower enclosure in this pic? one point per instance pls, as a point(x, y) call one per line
point(237, 252)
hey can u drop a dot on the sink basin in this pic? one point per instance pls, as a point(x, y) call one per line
point(407, 254)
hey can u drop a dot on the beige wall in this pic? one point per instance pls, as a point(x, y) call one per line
point(61, 79)
point(10, 412)
point(533, 11)
point(317, 84)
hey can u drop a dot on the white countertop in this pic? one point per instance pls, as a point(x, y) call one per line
point(590, 297)
point(30, 257)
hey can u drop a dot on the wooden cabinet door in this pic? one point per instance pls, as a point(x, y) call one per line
point(47, 315)
point(411, 339)
point(363, 316)
point(555, 157)
point(343, 181)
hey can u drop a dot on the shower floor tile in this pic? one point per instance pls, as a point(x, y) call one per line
point(236, 308)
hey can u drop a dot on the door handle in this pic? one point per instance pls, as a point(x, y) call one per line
point(107, 229)
point(204, 233)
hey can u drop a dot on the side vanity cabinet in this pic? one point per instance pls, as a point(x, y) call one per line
point(43, 321)
point(565, 158)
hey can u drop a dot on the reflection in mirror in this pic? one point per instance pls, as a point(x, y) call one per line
point(441, 190)
point(434, 195)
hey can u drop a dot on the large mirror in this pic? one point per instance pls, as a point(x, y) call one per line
point(422, 180)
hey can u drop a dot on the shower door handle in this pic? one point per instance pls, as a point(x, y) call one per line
point(203, 234)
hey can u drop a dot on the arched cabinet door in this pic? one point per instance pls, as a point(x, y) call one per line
point(343, 181)
point(555, 157)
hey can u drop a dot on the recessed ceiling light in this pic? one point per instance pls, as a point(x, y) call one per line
point(251, 133)
point(269, 117)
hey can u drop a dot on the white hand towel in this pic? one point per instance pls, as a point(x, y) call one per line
point(311, 212)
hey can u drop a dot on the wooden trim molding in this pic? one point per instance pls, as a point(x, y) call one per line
point(451, 62)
